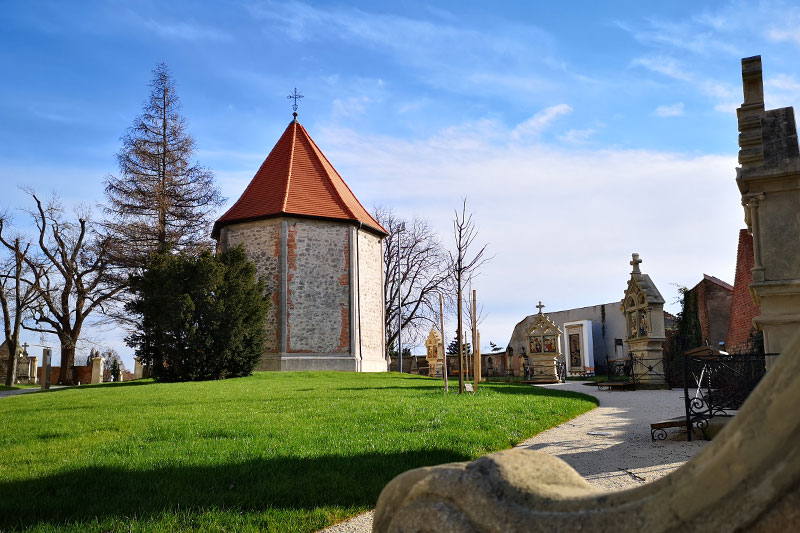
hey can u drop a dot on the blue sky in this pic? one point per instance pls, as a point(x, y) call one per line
point(579, 131)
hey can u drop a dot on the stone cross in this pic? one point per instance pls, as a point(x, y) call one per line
point(540, 307)
point(635, 263)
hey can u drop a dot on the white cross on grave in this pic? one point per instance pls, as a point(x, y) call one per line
point(635, 263)
point(540, 307)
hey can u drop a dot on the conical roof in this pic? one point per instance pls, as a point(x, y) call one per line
point(297, 179)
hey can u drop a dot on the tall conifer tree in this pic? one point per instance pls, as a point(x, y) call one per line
point(161, 200)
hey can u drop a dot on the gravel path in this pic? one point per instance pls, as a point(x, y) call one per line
point(609, 446)
point(16, 392)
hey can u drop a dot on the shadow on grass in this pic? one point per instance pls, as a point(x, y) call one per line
point(85, 494)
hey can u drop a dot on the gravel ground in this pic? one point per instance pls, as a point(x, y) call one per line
point(16, 392)
point(609, 446)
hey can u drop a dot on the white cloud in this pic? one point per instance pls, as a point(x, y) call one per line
point(663, 65)
point(674, 110)
point(783, 82)
point(184, 31)
point(691, 35)
point(350, 107)
point(539, 122)
point(782, 90)
point(722, 93)
point(577, 136)
point(561, 222)
point(439, 51)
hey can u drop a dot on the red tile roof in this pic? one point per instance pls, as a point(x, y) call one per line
point(297, 179)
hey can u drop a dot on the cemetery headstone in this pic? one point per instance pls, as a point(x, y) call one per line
point(544, 349)
point(643, 308)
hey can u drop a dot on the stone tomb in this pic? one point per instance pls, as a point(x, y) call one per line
point(643, 308)
point(579, 353)
point(435, 357)
point(26, 364)
point(544, 348)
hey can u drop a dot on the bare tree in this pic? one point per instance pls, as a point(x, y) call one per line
point(423, 274)
point(464, 268)
point(161, 200)
point(75, 278)
point(112, 364)
point(18, 285)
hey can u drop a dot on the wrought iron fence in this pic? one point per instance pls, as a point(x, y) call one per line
point(721, 383)
point(648, 369)
point(635, 370)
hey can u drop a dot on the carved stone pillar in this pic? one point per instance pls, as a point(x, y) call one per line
point(769, 181)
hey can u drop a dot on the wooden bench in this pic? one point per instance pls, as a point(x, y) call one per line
point(657, 428)
point(621, 385)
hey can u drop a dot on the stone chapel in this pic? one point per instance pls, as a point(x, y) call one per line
point(321, 254)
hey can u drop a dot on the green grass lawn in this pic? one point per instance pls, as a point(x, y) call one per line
point(274, 451)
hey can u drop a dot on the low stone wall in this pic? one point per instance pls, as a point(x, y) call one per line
point(82, 374)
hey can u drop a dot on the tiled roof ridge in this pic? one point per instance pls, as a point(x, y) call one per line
point(321, 154)
point(253, 181)
point(329, 185)
point(297, 179)
point(293, 125)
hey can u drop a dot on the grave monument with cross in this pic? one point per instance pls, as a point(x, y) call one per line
point(544, 348)
point(643, 308)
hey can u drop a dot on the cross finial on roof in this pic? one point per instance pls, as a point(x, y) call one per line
point(540, 307)
point(294, 96)
point(635, 263)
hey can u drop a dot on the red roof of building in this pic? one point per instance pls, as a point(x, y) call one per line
point(297, 179)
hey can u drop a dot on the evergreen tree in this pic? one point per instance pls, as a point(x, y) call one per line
point(687, 335)
point(115, 370)
point(161, 200)
point(200, 317)
point(452, 348)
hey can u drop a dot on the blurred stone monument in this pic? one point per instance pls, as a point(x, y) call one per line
point(435, 357)
point(97, 369)
point(643, 308)
point(544, 348)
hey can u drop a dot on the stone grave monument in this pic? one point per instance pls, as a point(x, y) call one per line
point(435, 357)
point(643, 308)
point(544, 349)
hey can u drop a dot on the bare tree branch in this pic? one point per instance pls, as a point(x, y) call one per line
point(74, 278)
point(464, 268)
point(422, 268)
point(18, 294)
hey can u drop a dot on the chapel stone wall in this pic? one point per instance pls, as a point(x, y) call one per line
point(318, 295)
point(261, 239)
